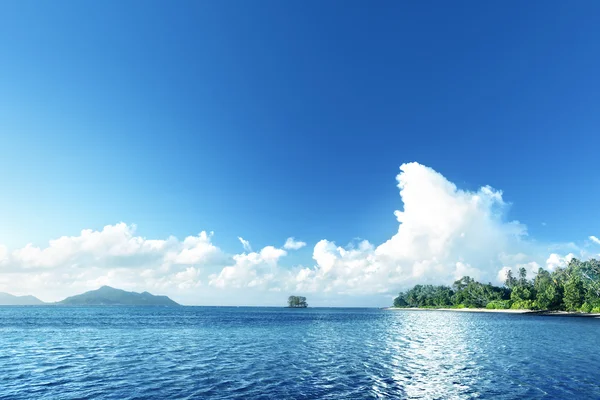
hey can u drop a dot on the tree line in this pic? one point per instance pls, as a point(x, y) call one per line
point(573, 288)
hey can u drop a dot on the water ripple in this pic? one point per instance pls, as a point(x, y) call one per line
point(262, 353)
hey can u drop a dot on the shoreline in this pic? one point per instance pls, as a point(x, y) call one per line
point(504, 311)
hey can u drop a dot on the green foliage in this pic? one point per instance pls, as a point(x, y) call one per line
point(424, 296)
point(297, 302)
point(400, 302)
point(574, 295)
point(499, 305)
point(523, 291)
point(523, 305)
point(546, 290)
point(474, 294)
point(465, 292)
point(576, 287)
point(510, 281)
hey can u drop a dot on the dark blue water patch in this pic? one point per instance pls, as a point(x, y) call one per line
point(278, 353)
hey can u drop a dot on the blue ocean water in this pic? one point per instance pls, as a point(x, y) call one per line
point(278, 353)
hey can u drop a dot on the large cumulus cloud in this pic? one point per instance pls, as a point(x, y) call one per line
point(444, 233)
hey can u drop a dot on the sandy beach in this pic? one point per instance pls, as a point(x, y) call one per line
point(506, 311)
point(482, 310)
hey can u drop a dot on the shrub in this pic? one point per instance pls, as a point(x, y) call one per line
point(586, 307)
point(499, 305)
point(523, 305)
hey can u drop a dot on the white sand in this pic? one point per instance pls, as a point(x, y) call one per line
point(509, 311)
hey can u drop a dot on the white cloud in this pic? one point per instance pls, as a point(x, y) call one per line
point(293, 244)
point(113, 255)
point(595, 239)
point(194, 250)
point(189, 278)
point(3, 253)
point(443, 233)
point(531, 268)
point(249, 270)
point(271, 254)
point(555, 261)
point(245, 244)
point(113, 246)
point(503, 274)
point(112, 243)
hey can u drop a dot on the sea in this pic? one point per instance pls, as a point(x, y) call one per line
point(280, 353)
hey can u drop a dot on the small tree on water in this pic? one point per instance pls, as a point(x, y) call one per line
point(297, 302)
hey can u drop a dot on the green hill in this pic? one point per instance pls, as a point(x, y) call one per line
point(7, 299)
point(108, 296)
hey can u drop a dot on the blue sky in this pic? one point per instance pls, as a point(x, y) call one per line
point(270, 119)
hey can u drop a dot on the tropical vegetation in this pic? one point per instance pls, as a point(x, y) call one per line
point(573, 288)
point(297, 302)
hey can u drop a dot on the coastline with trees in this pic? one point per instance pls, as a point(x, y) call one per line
point(573, 289)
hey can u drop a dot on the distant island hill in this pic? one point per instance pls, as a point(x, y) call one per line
point(105, 296)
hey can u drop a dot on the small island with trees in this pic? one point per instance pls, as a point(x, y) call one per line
point(575, 288)
point(297, 302)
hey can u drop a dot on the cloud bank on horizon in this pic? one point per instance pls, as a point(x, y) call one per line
point(444, 233)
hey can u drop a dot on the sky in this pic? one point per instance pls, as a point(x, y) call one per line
point(235, 153)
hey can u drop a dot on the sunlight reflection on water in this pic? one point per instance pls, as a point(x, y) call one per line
point(216, 353)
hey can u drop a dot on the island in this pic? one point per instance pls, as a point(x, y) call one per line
point(108, 296)
point(574, 289)
point(7, 299)
point(297, 302)
point(104, 296)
